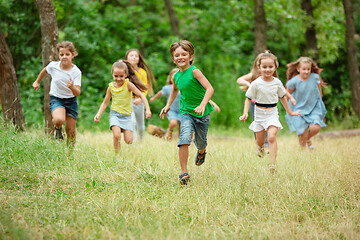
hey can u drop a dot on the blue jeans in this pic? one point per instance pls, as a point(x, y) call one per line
point(70, 105)
point(252, 107)
point(189, 124)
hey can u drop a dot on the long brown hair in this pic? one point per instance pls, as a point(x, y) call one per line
point(142, 64)
point(125, 65)
point(293, 66)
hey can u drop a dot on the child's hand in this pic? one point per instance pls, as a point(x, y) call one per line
point(297, 113)
point(147, 114)
point(293, 101)
point(137, 101)
point(152, 99)
point(69, 83)
point(200, 110)
point(36, 85)
point(164, 112)
point(243, 117)
point(97, 118)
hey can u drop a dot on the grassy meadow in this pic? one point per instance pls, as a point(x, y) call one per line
point(45, 193)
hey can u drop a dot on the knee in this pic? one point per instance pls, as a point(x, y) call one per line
point(271, 139)
point(128, 141)
point(117, 137)
point(58, 120)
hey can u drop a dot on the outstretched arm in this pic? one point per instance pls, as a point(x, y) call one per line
point(289, 96)
point(285, 103)
point(103, 105)
point(38, 80)
point(173, 94)
point(216, 107)
point(246, 110)
point(137, 92)
point(245, 80)
point(157, 95)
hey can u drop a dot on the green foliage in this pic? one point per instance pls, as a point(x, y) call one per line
point(222, 34)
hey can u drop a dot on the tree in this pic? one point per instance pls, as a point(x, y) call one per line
point(351, 56)
point(311, 48)
point(173, 19)
point(9, 95)
point(260, 27)
point(49, 33)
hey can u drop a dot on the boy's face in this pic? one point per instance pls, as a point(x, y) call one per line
point(182, 58)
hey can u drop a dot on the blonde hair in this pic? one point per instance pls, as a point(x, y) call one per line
point(293, 66)
point(172, 72)
point(142, 64)
point(125, 65)
point(184, 44)
point(67, 45)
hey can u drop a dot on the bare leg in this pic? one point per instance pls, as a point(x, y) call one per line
point(59, 117)
point(128, 136)
point(272, 131)
point(117, 137)
point(313, 130)
point(260, 140)
point(172, 125)
point(183, 157)
point(70, 129)
point(303, 138)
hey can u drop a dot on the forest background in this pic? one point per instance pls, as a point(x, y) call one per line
point(221, 31)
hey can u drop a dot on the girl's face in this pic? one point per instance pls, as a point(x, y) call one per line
point(182, 58)
point(119, 76)
point(267, 68)
point(133, 57)
point(304, 70)
point(66, 57)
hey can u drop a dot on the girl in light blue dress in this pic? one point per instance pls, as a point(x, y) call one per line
point(305, 86)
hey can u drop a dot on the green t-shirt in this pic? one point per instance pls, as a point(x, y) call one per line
point(192, 92)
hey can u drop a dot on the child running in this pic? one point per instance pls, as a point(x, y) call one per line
point(121, 91)
point(195, 108)
point(245, 81)
point(304, 82)
point(173, 114)
point(64, 89)
point(266, 89)
point(146, 76)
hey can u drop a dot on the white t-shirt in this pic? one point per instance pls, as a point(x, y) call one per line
point(266, 92)
point(59, 79)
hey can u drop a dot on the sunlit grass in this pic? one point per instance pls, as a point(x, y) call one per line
point(93, 194)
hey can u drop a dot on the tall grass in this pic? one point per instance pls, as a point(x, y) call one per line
point(47, 193)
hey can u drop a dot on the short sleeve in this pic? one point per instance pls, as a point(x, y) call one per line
point(291, 84)
point(250, 93)
point(166, 90)
point(317, 78)
point(77, 79)
point(281, 91)
point(50, 67)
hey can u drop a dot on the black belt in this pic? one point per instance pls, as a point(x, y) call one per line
point(266, 104)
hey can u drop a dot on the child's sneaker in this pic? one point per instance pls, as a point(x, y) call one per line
point(58, 134)
point(309, 145)
point(272, 168)
point(260, 151)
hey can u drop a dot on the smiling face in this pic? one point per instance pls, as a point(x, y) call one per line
point(304, 70)
point(182, 58)
point(65, 57)
point(133, 57)
point(119, 76)
point(267, 68)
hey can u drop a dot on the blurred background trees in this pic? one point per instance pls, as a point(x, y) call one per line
point(223, 33)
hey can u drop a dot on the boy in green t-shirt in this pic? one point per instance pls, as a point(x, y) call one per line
point(195, 107)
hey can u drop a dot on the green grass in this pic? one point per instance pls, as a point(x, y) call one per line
point(45, 193)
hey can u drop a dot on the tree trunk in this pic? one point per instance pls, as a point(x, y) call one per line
point(351, 55)
point(49, 33)
point(173, 19)
point(9, 95)
point(311, 49)
point(260, 27)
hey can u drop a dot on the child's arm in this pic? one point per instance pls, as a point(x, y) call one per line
point(289, 96)
point(208, 94)
point(246, 110)
point(103, 105)
point(38, 80)
point(74, 88)
point(173, 94)
point(285, 103)
point(216, 107)
point(137, 92)
point(245, 80)
point(157, 95)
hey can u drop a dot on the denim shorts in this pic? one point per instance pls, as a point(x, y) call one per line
point(189, 124)
point(120, 120)
point(70, 105)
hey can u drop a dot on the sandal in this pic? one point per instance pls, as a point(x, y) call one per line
point(310, 145)
point(200, 161)
point(184, 178)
